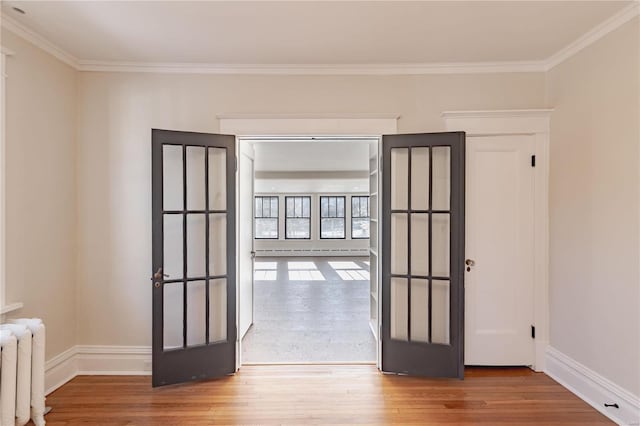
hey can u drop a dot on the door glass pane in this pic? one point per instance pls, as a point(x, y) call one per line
point(399, 243)
point(420, 244)
point(399, 178)
point(172, 230)
point(420, 178)
point(195, 178)
point(440, 245)
point(172, 198)
point(441, 177)
point(217, 244)
point(217, 310)
point(419, 310)
point(440, 306)
point(196, 242)
point(217, 178)
point(399, 311)
point(196, 313)
point(173, 315)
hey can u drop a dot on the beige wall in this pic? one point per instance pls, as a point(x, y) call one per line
point(117, 111)
point(594, 207)
point(41, 190)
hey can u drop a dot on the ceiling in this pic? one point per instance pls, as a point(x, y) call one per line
point(310, 33)
point(311, 156)
point(309, 166)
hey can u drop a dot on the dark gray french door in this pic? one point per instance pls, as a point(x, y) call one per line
point(423, 254)
point(194, 282)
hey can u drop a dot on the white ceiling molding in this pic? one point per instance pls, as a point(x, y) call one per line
point(595, 34)
point(38, 40)
point(585, 40)
point(316, 69)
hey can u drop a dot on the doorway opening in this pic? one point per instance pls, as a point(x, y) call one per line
point(308, 233)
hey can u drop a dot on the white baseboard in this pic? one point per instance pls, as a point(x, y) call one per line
point(593, 388)
point(114, 360)
point(83, 360)
point(60, 369)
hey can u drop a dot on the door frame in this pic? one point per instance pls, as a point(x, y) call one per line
point(536, 123)
point(254, 127)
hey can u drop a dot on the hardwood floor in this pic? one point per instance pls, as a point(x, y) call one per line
point(322, 394)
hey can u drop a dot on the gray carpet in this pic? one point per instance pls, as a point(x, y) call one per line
point(310, 310)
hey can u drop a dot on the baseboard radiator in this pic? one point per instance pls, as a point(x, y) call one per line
point(22, 343)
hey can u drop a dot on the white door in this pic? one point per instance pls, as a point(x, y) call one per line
point(245, 238)
point(499, 251)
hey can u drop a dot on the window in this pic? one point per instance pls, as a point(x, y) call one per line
point(359, 217)
point(297, 222)
point(332, 217)
point(266, 218)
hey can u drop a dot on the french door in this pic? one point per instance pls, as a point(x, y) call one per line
point(423, 254)
point(194, 281)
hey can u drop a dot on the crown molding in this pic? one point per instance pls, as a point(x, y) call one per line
point(590, 37)
point(39, 41)
point(593, 35)
point(315, 69)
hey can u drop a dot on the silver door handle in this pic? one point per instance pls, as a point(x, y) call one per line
point(469, 262)
point(253, 254)
point(159, 275)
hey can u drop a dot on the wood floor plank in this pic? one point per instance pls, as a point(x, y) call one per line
point(323, 394)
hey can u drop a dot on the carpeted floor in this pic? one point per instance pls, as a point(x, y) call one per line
point(310, 310)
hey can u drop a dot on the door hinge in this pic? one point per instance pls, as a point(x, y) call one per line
point(533, 161)
point(533, 331)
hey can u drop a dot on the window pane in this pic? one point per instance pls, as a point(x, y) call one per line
point(274, 207)
point(267, 228)
point(324, 207)
point(332, 207)
point(307, 207)
point(359, 228)
point(355, 206)
point(332, 228)
point(298, 228)
point(289, 205)
point(258, 206)
point(364, 207)
point(341, 207)
point(298, 211)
